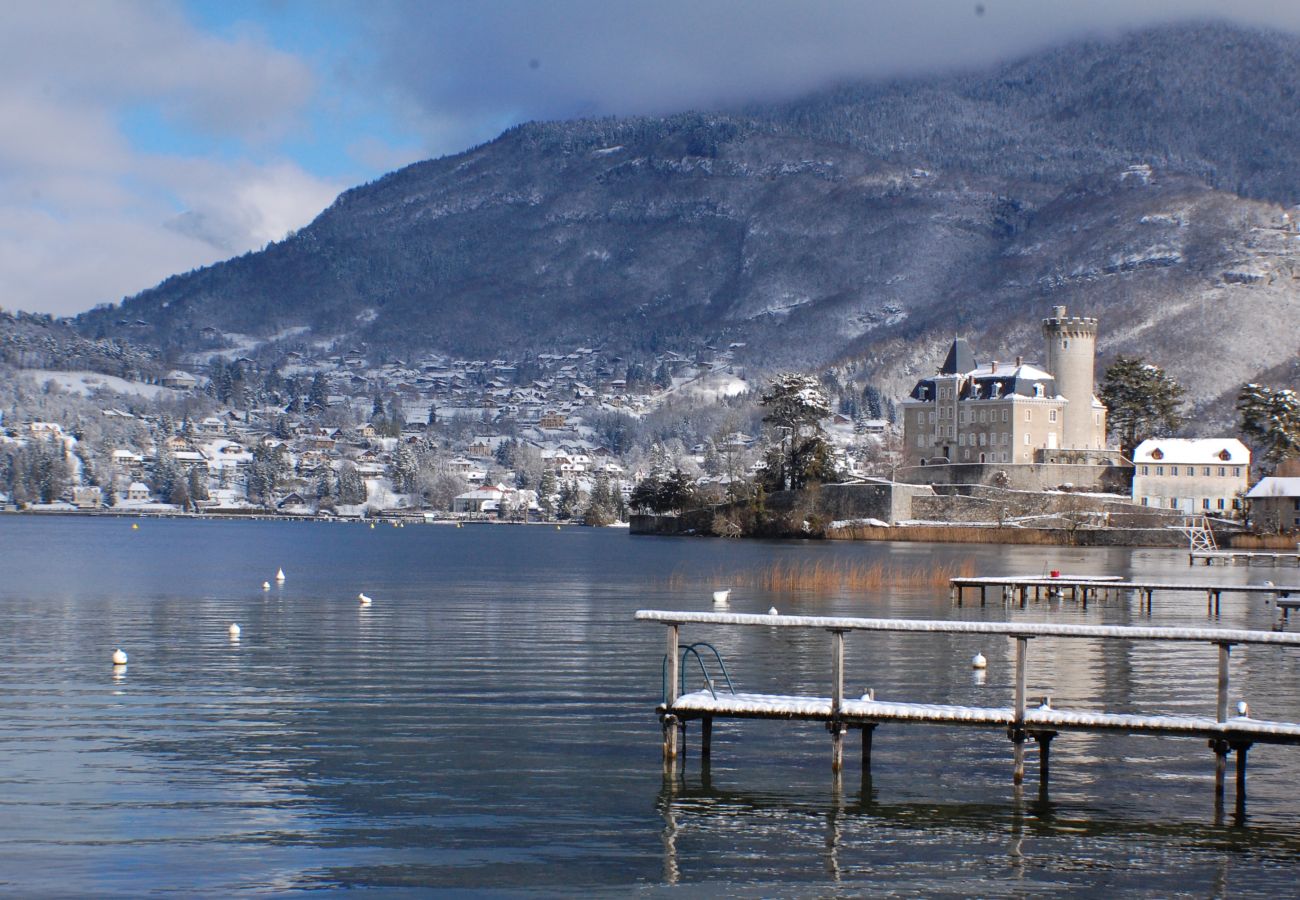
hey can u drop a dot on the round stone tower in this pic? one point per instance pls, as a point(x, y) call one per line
point(1071, 351)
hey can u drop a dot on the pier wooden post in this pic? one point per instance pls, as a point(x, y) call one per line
point(1221, 714)
point(868, 733)
point(837, 700)
point(1221, 695)
point(1018, 724)
point(706, 739)
point(1044, 739)
point(670, 694)
point(1241, 749)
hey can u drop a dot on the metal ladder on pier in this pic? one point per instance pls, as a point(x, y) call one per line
point(1199, 536)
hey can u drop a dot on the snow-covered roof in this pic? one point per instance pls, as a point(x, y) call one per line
point(1274, 486)
point(1208, 451)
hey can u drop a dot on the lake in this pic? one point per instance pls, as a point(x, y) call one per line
point(487, 725)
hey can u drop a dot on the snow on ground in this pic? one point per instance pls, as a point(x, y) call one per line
point(85, 383)
point(710, 386)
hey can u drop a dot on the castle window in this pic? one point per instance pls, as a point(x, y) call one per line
point(1160, 470)
point(1029, 415)
point(1051, 415)
point(1004, 415)
point(1065, 345)
point(1026, 439)
point(1173, 470)
point(1206, 471)
point(1223, 470)
point(1236, 471)
point(1146, 470)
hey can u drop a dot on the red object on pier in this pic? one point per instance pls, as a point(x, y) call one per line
point(1056, 573)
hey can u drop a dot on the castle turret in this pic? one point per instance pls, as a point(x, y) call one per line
point(1071, 350)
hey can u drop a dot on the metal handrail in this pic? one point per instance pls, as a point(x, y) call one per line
point(708, 682)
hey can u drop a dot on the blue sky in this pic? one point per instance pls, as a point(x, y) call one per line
point(141, 138)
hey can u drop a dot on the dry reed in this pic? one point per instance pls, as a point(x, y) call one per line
point(952, 534)
point(824, 576)
point(1265, 541)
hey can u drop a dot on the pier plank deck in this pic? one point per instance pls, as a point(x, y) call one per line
point(1245, 557)
point(698, 704)
point(1016, 588)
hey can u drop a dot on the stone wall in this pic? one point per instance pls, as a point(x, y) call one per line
point(1025, 476)
point(883, 500)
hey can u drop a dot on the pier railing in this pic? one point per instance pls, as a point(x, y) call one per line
point(1225, 733)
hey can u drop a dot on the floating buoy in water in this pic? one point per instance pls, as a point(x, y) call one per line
point(266, 585)
point(979, 662)
point(234, 630)
point(365, 601)
point(773, 612)
point(720, 598)
point(557, 527)
point(279, 575)
point(119, 657)
point(1243, 708)
point(135, 527)
point(372, 526)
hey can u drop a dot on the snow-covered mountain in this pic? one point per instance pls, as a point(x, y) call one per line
point(1150, 181)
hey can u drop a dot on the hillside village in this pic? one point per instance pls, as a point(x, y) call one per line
point(545, 438)
point(570, 436)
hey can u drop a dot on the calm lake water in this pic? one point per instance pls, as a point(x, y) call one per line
point(487, 725)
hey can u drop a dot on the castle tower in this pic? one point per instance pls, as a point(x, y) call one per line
point(1071, 351)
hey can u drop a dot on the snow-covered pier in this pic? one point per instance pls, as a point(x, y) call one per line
point(1084, 588)
point(1244, 557)
point(1042, 723)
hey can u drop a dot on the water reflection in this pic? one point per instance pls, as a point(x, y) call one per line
point(488, 723)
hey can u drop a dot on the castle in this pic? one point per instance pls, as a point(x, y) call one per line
point(999, 415)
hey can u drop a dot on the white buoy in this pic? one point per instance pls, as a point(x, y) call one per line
point(773, 612)
point(979, 662)
point(365, 601)
point(234, 630)
point(119, 657)
point(1243, 708)
point(266, 585)
point(720, 598)
point(279, 574)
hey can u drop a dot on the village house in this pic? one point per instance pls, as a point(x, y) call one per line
point(1199, 475)
point(181, 381)
point(1275, 503)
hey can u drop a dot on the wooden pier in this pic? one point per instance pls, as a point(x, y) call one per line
point(1244, 557)
point(1017, 589)
point(1225, 734)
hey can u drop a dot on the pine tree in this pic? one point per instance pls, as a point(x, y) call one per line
point(1141, 402)
point(1270, 420)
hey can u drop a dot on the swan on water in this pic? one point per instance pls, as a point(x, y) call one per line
point(773, 612)
point(119, 657)
point(365, 601)
point(234, 630)
point(979, 662)
point(720, 598)
point(1243, 708)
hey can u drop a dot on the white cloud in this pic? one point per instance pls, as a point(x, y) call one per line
point(471, 67)
point(85, 217)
